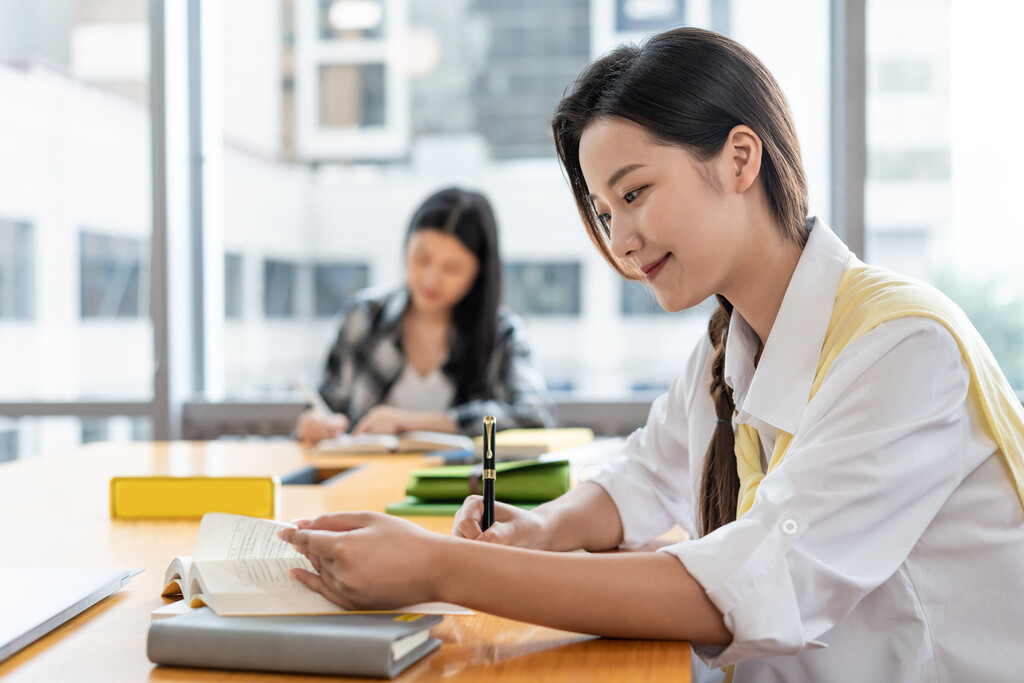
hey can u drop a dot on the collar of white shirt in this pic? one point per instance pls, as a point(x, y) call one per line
point(776, 394)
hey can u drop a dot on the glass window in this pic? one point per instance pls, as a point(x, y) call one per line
point(905, 75)
point(543, 288)
point(31, 437)
point(111, 271)
point(233, 287)
point(908, 165)
point(940, 193)
point(453, 93)
point(648, 15)
point(638, 299)
point(335, 284)
point(75, 209)
point(8, 440)
point(351, 95)
point(351, 19)
point(280, 281)
point(17, 270)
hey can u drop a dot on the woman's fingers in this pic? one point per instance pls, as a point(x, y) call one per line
point(468, 518)
point(318, 584)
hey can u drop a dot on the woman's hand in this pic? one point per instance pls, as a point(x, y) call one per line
point(512, 525)
point(368, 560)
point(384, 419)
point(314, 426)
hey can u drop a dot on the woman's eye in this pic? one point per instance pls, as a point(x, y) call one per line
point(631, 196)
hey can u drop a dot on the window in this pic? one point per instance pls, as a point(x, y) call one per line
point(939, 198)
point(335, 284)
point(8, 441)
point(909, 165)
point(543, 288)
point(905, 75)
point(17, 271)
point(638, 299)
point(335, 127)
point(351, 96)
point(280, 282)
point(234, 301)
point(111, 276)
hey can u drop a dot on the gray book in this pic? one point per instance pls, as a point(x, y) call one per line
point(381, 645)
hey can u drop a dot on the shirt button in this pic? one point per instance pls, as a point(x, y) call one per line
point(790, 527)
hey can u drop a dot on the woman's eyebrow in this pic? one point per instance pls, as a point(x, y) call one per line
point(618, 175)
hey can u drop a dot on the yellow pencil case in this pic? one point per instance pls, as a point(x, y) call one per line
point(192, 497)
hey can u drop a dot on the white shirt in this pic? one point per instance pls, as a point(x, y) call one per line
point(413, 391)
point(889, 543)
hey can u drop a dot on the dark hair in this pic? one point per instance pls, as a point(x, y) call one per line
point(468, 216)
point(689, 88)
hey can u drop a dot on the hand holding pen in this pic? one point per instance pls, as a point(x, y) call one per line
point(319, 422)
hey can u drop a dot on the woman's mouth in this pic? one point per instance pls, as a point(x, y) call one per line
point(652, 269)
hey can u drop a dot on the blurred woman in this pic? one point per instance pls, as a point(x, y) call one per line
point(440, 352)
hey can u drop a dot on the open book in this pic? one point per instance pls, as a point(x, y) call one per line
point(406, 442)
point(239, 567)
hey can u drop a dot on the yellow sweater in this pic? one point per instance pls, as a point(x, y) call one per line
point(868, 296)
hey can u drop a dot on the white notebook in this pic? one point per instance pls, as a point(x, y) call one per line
point(33, 602)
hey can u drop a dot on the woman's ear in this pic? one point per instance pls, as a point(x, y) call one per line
point(742, 155)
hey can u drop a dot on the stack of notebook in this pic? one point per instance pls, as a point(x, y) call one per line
point(441, 490)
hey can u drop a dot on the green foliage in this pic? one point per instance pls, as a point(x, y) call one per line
point(997, 311)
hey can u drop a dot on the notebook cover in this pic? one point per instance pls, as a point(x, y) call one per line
point(415, 507)
point(192, 497)
point(523, 480)
point(340, 645)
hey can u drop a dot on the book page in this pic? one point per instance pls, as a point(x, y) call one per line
point(176, 577)
point(230, 537)
point(253, 575)
point(362, 443)
point(422, 441)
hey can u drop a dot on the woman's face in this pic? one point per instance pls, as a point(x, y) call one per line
point(441, 270)
point(665, 213)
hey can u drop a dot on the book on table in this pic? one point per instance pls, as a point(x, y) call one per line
point(381, 645)
point(406, 442)
point(239, 567)
point(442, 490)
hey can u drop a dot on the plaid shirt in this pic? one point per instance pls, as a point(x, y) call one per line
point(367, 359)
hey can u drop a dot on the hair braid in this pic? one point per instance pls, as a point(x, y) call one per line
point(721, 482)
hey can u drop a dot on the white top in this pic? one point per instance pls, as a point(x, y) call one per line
point(889, 543)
point(413, 391)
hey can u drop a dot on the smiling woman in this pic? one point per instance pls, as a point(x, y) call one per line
point(439, 353)
point(833, 447)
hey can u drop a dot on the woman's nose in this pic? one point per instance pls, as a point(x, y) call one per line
point(625, 241)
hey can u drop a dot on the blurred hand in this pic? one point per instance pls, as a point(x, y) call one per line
point(384, 419)
point(512, 525)
point(367, 560)
point(314, 426)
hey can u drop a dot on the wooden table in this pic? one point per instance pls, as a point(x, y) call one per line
point(54, 512)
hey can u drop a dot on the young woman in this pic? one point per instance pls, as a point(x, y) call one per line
point(439, 353)
point(842, 448)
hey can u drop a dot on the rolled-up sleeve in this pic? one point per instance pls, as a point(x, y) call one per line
point(878, 452)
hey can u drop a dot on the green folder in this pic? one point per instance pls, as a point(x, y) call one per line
point(411, 506)
point(441, 490)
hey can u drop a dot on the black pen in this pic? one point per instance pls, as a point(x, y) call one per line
point(489, 473)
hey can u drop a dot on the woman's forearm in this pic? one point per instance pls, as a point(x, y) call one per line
point(621, 595)
point(431, 422)
point(585, 517)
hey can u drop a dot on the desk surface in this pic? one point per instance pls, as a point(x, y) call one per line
point(54, 512)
